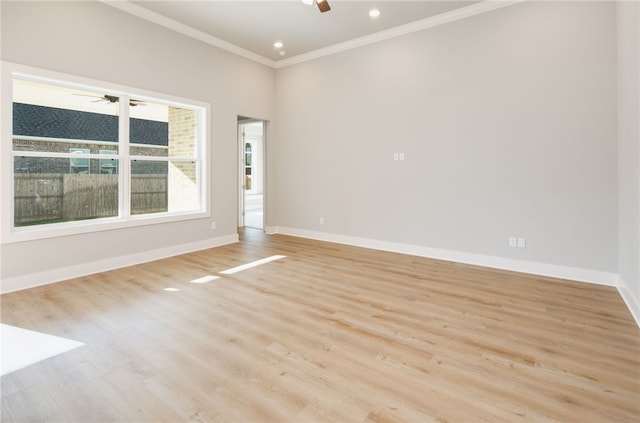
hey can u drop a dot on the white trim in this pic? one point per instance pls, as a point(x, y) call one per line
point(75, 227)
point(426, 23)
point(85, 269)
point(181, 28)
point(6, 118)
point(52, 154)
point(536, 268)
point(430, 22)
point(80, 141)
point(9, 233)
point(632, 303)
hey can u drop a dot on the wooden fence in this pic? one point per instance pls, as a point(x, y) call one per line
point(45, 198)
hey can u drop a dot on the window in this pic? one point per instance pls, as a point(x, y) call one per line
point(108, 166)
point(79, 164)
point(248, 160)
point(86, 158)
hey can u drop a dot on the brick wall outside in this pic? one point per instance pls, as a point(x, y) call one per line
point(182, 137)
point(182, 175)
point(43, 165)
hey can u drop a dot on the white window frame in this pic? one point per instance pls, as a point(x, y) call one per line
point(9, 233)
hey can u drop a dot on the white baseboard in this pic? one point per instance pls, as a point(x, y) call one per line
point(57, 275)
point(536, 268)
point(632, 303)
point(543, 269)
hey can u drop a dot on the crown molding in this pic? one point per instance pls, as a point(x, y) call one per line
point(174, 25)
point(426, 23)
point(430, 22)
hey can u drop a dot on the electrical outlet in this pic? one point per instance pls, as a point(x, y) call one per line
point(322, 220)
point(522, 243)
point(513, 241)
point(214, 225)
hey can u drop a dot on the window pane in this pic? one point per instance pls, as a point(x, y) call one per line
point(148, 128)
point(159, 186)
point(183, 188)
point(160, 130)
point(51, 191)
point(54, 119)
point(109, 165)
point(149, 186)
point(163, 131)
point(247, 154)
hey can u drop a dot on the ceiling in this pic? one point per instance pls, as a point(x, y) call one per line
point(250, 28)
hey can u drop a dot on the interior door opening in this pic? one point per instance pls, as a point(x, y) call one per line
point(251, 148)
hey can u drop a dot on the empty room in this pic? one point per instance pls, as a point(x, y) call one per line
point(320, 210)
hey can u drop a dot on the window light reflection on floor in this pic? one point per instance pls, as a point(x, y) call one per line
point(205, 279)
point(209, 278)
point(252, 264)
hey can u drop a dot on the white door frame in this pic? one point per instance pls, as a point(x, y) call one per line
point(241, 169)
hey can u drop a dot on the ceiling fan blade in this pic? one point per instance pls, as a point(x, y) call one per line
point(112, 99)
point(323, 5)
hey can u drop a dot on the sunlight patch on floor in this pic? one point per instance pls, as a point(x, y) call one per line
point(252, 264)
point(22, 347)
point(205, 279)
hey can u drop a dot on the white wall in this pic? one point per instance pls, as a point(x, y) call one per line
point(507, 120)
point(508, 124)
point(629, 153)
point(93, 40)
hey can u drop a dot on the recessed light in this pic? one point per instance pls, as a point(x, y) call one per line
point(374, 13)
point(278, 44)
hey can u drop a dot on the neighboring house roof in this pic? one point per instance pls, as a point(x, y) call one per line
point(52, 122)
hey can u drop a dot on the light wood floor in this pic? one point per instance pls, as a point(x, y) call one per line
point(329, 333)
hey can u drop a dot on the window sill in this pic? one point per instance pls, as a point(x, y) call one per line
point(54, 230)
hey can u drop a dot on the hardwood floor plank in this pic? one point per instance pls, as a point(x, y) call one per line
point(327, 333)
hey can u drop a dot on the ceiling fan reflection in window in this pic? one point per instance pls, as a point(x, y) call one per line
point(323, 5)
point(112, 99)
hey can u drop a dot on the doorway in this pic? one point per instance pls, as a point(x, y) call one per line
point(251, 149)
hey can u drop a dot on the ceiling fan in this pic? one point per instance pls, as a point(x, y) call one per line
point(113, 99)
point(323, 5)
